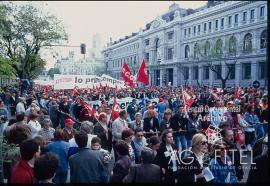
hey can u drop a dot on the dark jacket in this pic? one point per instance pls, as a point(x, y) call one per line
point(164, 125)
point(179, 121)
point(120, 169)
point(193, 127)
point(147, 126)
point(191, 168)
point(100, 132)
point(85, 166)
point(165, 162)
point(143, 173)
point(259, 171)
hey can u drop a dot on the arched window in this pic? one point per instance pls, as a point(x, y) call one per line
point(248, 42)
point(206, 48)
point(264, 39)
point(219, 46)
point(232, 44)
point(196, 50)
point(187, 51)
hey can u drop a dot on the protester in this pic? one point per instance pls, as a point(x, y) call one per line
point(146, 172)
point(20, 107)
point(47, 131)
point(161, 107)
point(138, 122)
point(150, 123)
point(86, 165)
point(167, 157)
point(166, 121)
point(60, 148)
point(154, 144)
point(127, 136)
point(23, 171)
point(64, 108)
point(193, 127)
point(34, 125)
point(191, 170)
point(132, 109)
point(48, 162)
point(137, 144)
point(3, 116)
point(68, 130)
point(119, 125)
point(122, 164)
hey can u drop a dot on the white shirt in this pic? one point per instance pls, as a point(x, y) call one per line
point(20, 107)
point(72, 142)
point(117, 128)
point(35, 127)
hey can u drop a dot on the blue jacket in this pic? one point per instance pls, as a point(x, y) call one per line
point(221, 170)
point(60, 148)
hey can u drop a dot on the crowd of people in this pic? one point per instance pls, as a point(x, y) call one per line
point(60, 138)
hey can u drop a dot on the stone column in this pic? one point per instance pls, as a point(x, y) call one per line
point(161, 76)
point(254, 73)
point(238, 74)
point(211, 77)
point(190, 73)
point(175, 76)
point(200, 69)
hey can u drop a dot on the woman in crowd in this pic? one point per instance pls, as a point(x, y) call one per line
point(222, 166)
point(127, 136)
point(167, 157)
point(122, 164)
point(137, 143)
point(103, 132)
point(192, 165)
point(60, 148)
point(47, 131)
point(166, 121)
point(138, 122)
point(154, 144)
point(150, 123)
point(34, 124)
point(193, 127)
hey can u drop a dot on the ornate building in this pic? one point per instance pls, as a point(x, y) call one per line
point(170, 44)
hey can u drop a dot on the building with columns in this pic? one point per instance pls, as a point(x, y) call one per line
point(168, 44)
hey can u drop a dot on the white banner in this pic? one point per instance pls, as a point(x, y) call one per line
point(85, 81)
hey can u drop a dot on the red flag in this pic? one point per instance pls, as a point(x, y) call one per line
point(187, 99)
point(75, 91)
point(115, 110)
point(89, 108)
point(191, 89)
point(142, 74)
point(127, 76)
point(238, 92)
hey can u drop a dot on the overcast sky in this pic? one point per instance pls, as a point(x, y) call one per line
point(114, 19)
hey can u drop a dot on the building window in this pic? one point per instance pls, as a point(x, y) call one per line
point(187, 51)
point(263, 70)
point(232, 45)
point(230, 21)
point(222, 23)
point(170, 35)
point(170, 53)
point(262, 9)
point(188, 32)
point(206, 48)
point(231, 68)
point(194, 30)
point(204, 27)
point(196, 50)
point(236, 19)
point(244, 17)
point(219, 47)
point(216, 24)
point(205, 72)
point(209, 26)
point(264, 39)
point(218, 72)
point(147, 56)
point(185, 31)
point(199, 29)
point(246, 71)
point(248, 43)
point(186, 73)
point(252, 15)
point(195, 73)
point(146, 42)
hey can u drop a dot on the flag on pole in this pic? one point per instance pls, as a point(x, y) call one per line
point(75, 91)
point(187, 99)
point(127, 76)
point(142, 74)
point(115, 110)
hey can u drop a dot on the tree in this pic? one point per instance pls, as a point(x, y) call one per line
point(24, 31)
point(6, 69)
point(220, 54)
point(53, 71)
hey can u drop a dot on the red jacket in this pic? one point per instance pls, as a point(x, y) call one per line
point(22, 173)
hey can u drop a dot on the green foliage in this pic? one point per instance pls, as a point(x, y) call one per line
point(24, 30)
point(8, 150)
point(53, 71)
point(6, 69)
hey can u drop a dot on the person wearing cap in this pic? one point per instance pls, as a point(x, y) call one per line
point(47, 131)
point(34, 124)
point(259, 170)
point(68, 130)
point(103, 132)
